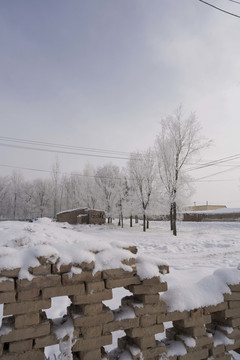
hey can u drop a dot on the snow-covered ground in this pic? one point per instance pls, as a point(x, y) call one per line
point(203, 258)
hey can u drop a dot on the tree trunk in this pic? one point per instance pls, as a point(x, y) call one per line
point(174, 218)
point(119, 221)
point(131, 219)
point(122, 220)
point(144, 222)
point(171, 217)
point(147, 224)
point(136, 219)
point(14, 206)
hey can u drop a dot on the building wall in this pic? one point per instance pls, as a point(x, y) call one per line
point(205, 207)
point(82, 216)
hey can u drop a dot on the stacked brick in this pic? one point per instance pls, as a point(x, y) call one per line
point(26, 331)
point(147, 305)
point(227, 321)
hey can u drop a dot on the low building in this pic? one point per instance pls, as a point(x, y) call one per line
point(82, 216)
point(204, 207)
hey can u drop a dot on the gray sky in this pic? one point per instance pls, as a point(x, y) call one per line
point(101, 74)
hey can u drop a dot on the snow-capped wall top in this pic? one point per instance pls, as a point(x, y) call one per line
point(22, 244)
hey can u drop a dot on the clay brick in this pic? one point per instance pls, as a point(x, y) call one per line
point(153, 353)
point(201, 341)
point(28, 333)
point(88, 344)
point(132, 249)
point(148, 320)
point(120, 325)
point(147, 331)
point(91, 309)
point(172, 316)
point(146, 342)
point(88, 321)
point(94, 287)
point(232, 313)
point(214, 308)
point(91, 355)
point(148, 289)
point(39, 282)
point(195, 355)
point(196, 313)
point(234, 346)
point(148, 299)
point(87, 276)
point(228, 313)
point(29, 355)
point(30, 294)
point(129, 262)
point(232, 322)
point(43, 341)
point(141, 309)
point(7, 297)
point(232, 297)
point(164, 269)
point(190, 322)
point(235, 287)
point(7, 285)
point(117, 274)
point(86, 266)
point(64, 268)
point(217, 350)
point(25, 307)
point(92, 332)
point(66, 290)
point(113, 283)
point(225, 356)
point(194, 331)
point(21, 346)
point(235, 334)
point(234, 304)
point(9, 273)
point(40, 270)
point(152, 281)
point(29, 319)
point(92, 298)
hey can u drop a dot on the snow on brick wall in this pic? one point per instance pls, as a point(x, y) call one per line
point(88, 325)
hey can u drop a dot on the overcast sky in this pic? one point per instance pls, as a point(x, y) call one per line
point(102, 73)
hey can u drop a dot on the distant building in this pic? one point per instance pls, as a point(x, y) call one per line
point(82, 216)
point(204, 207)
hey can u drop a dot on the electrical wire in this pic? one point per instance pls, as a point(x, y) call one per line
point(64, 152)
point(72, 147)
point(234, 1)
point(217, 8)
point(63, 173)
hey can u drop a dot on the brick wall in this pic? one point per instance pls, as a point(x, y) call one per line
point(26, 331)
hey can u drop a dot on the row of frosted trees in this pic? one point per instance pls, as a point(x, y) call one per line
point(154, 181)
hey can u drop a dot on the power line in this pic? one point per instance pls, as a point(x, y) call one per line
point(63, 173)
point(64, 152)
point(234, 1)
point(64, 146)
point(217, 8)
point(217, 173)
point(216, 162)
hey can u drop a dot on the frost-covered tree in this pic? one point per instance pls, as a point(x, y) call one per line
point(16, 193)
point(142, 172)
point(107, 178)
point(178, 140)
point(89, 187)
